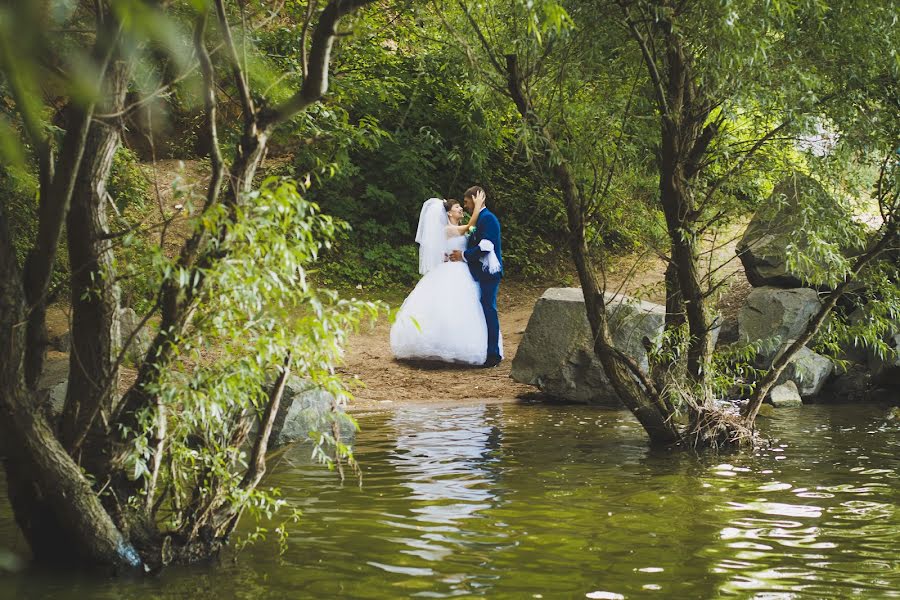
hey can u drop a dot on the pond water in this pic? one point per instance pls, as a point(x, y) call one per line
point(536, 501)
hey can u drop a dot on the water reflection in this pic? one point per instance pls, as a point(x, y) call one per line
point(827, 530)
point(511, 501)
point(445, 460)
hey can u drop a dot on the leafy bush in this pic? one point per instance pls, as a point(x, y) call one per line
point(127, 184)
point(19, 190)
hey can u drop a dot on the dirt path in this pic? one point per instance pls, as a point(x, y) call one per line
point(389, 382)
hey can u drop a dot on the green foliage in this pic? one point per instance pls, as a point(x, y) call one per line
point(256, 310)
point(867, 327)
point(19, 190)
point(127, 184)
point(416, 127)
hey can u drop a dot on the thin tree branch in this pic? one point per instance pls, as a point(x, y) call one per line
point(257, 465)
point(744, 159)
point(315, 84)
point(209, 101)
point(655, 77)
point(240, 77)
point(481, 38)
point(304, 57)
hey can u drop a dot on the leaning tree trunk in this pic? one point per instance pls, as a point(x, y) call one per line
point(635, 389)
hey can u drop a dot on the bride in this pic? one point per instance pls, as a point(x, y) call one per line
point(442, 318)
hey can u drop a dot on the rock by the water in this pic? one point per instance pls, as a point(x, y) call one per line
point(57, 398)
point(556, 353)
point(728, 333)
point(785, 395)
point(776, 314)
point(774, 226)
point(886, 371)
point(850, 386)
point(856, 351)
point(808, 370)
point(306, 408)
point(766, 410)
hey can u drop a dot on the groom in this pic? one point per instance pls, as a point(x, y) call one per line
point(487, 270)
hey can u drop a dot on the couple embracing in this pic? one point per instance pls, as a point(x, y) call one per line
point(451, 315)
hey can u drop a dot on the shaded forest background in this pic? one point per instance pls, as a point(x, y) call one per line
point(405, 120)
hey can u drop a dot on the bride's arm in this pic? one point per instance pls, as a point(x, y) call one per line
point(462, 229)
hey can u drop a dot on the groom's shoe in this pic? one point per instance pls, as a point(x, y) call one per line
point(492, 361)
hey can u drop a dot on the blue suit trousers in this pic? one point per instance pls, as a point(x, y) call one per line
point(489, 305)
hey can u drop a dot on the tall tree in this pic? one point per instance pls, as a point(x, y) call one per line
point(158, 475)
point(731, 86)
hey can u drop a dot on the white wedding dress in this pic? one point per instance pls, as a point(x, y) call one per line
point(442, 318)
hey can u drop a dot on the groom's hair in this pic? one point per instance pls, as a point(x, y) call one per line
point(470, 193)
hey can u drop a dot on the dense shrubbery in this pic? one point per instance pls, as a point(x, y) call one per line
point(416, 128)
point(127, 185)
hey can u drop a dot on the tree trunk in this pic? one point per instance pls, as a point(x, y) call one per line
point(93, 365)
point(644, 403)
point(59, 514)
point(51, 216)
point(684, 257)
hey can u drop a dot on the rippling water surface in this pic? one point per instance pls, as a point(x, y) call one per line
point(532, 501)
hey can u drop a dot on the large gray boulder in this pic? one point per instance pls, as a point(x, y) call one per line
point(556, 353)
point(785, 395)
point(777, 224)
point(306, 408)
point(809, 371)
point(776, 314)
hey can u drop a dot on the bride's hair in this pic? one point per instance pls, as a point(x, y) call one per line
point(449, 203)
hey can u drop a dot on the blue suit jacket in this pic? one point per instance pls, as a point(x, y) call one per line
point(487, 228)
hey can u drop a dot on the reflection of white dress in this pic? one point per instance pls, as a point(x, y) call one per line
point(442, 318)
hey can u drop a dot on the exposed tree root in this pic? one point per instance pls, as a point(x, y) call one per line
point(718, 426)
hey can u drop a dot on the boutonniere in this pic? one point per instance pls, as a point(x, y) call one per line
point(472, 231)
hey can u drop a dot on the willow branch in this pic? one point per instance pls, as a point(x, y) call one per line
point(778, 366)
point(209, 101)
point(655, 77)
point(240, 77)
point(315, 84)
